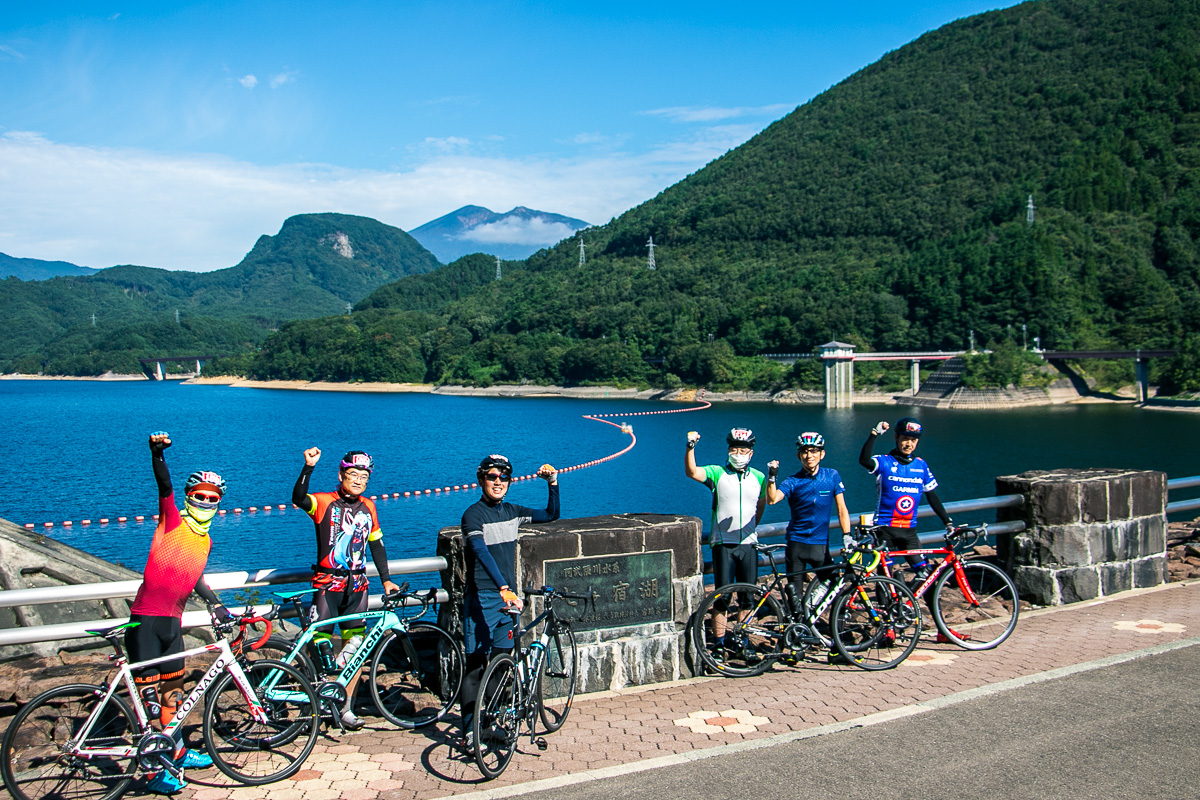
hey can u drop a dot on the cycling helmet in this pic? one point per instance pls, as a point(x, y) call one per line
point(205, 479)
point(499, 462)
point(908, 427)
point(357, 459)
point(740, 437)
point(810, 439)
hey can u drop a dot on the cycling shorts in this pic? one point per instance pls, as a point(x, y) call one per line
point(486, 625)
point(328, 603)
point(903, 539)
point(155, 637)
point(733, 563)
point(802, 558)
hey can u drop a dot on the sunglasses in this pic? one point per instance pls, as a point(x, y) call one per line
point(205, 497)
point(497, 476)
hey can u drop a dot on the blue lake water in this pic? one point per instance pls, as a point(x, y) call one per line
point(75, 450)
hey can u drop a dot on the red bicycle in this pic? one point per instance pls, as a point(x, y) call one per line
point(974, 603)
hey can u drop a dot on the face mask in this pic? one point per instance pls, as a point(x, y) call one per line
point(739, 462)
point(200, 511)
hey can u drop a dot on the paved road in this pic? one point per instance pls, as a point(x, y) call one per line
point(1130, 730)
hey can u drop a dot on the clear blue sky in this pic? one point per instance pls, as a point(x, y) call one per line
point(173, 135)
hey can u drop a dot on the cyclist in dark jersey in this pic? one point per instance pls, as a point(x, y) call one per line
point(491, 527)
point(903, 479)
point(174, 569)
point(347, 524)
point(812, 494)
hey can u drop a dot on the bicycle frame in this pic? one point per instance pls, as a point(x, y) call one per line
point(226, 662)
point(952, 560)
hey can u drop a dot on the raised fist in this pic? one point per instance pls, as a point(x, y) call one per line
point(311, 456)
point(880, 429)
point(692, 438)
point(159, 441)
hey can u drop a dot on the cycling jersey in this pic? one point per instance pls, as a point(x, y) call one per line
point(178, 555)
point(344, 527)
point(900, 488)
point(735, 503)
point(491, 532)
point(811, 499)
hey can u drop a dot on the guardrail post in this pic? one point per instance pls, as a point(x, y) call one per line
point(1089, 532)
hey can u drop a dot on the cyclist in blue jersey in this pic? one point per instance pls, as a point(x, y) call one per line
point(812, 494)
point(738, 499)
point(903, 479)
point(491, 527)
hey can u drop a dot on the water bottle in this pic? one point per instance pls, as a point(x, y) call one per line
point(818, 594)
point(348, 649)
point(325, 656)
point(150, 698)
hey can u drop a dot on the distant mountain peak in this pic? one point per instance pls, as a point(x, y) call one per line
point(514, 235)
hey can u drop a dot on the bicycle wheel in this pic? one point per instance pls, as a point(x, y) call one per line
point(556, 687)
point(753, 624)
point(416, 676)
point(876, 623)
point(257, 751)
point(34, 761)
point(987, 622)
point(497, 721)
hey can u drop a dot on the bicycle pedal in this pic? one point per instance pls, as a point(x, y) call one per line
point(540, 742)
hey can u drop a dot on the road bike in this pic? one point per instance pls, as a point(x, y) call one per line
point(86, 742)
point(870, 621)
point(975, 604)
point(538, 680)
point(416, 667)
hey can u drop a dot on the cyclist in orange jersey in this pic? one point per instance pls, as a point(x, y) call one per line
point(174, 569)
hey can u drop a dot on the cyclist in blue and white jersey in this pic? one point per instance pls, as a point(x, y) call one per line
point(903, 479)
point(812, 494)
point(738, 499)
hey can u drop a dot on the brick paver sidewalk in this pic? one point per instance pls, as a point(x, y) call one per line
point(618, 728)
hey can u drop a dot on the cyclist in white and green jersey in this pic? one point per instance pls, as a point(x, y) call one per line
point(739, 495)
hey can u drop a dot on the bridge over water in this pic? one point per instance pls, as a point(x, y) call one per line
point(154, 366)
point(839, 359)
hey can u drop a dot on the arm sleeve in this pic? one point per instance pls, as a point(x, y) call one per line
point(300, 490)
point(206, 594)
point(379, 556)
point(935, 503)
point(551, 512)
point(484, 556)
point(161, 476)
point(865, 457)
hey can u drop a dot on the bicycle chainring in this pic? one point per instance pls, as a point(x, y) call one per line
point(155, 751)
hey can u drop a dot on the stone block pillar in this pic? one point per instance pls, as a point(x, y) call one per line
point(1089, 532)
point(616, 654)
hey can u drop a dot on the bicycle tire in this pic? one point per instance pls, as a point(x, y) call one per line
point(876, 623)
point(987, 623)
point(32, 763)
point(560, 674)
point(751, 645)
point(253, 752)
point(497, 721)
point(410, 694)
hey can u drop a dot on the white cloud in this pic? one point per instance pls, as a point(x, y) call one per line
point(514, 230)
point(101, 206)
point(703, 114)
point(281, 78)
point(249, 81)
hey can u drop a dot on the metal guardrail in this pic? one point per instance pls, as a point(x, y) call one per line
point(218, 581)
point(1183, 505)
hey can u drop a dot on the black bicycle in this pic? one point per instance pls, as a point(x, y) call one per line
point(536, 681)
point(870, 621)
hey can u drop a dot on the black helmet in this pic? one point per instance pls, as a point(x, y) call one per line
point(740, 437)
point(357, 459)
point(499, 462)
point(908, 426)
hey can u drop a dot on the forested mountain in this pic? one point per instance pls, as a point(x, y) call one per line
point(34, 269)
point(515, 234)
point(890, 212)
point(317, 264)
